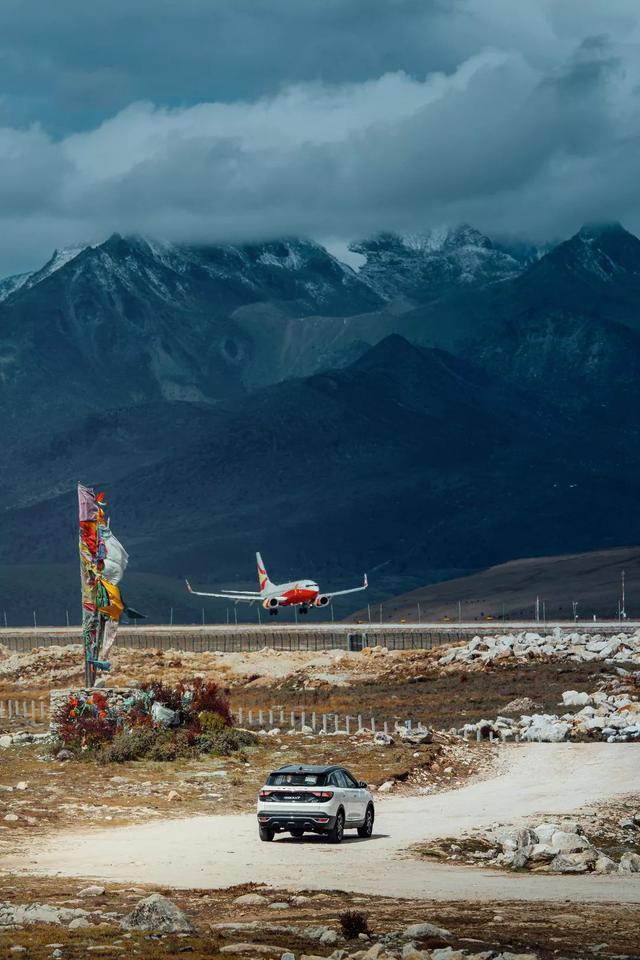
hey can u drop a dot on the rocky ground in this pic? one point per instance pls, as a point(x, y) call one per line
point(67, 920)
point(586, 684)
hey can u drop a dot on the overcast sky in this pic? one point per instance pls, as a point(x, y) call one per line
point(245, 119)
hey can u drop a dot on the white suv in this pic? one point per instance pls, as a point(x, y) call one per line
point(306, 799)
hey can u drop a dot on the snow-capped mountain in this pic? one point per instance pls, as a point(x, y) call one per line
point(421, 267)
point(20, 281)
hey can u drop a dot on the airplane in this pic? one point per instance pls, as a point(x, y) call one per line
point(302, 593)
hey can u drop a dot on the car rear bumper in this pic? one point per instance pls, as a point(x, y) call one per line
point(283, 821)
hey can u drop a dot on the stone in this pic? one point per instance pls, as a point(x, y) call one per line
point(374, 952)
point(629, 863)
point(545, 831)
point(64, 755)
point(158, 914)
point(14, 915)
point(447, 953)
point(249, 949)
point(279, 905)
point(569, 863)
point(251, 900)
point(571, 698)
point(415, 735)
point(565, 842)
point(605, 864)
point(10, 817)
point(520, 859)
point(22, 785)
point(173, 796)
point(383, 740)
point(16, 949)
point(422, 931)
point(79, 923)
point(288, 956)
point(540, 852)
point(5, 741)
point(95, 890)
point(386, 787)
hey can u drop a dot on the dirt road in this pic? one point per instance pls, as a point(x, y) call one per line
point(218, 851)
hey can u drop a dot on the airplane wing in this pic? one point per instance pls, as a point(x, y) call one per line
point(248, 597)
point(341, 593)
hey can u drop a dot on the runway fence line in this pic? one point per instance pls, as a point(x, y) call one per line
point(247, 642)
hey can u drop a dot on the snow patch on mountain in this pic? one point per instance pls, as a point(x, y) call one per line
point(422, 266)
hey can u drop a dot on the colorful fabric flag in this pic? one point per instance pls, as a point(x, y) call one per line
point(103, 561)
point(87, 506)
point(116, 557)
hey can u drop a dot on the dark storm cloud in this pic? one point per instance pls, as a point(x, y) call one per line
point(331, 119)
point(74, 63)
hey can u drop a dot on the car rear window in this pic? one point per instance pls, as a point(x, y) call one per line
point(297, 780)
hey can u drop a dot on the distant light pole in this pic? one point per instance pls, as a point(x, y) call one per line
point(419, 614)
point(574, 604)
point(623, 612)
point(459, 611)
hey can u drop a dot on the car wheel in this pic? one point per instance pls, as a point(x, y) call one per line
point(336, 833)
point(265, 833)
point(367, 827)
point(297, 833)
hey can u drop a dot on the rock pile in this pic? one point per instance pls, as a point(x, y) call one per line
point(581, 647)
point(601, 717)
point(548, 847)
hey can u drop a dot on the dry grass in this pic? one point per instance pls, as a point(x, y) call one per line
point(546, 928)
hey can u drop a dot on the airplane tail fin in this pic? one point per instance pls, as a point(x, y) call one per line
point(263, 576)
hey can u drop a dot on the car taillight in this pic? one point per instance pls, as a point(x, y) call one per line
point(322, 794)
point(265, 794)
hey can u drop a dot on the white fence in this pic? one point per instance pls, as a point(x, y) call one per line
point(35, 710)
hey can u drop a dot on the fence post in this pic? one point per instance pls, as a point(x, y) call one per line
point(335, 717)
point(359, 721)
point(271, 723)
point(282, 718)
point(313, 721)
point(347, 719)
point(240, 715)
point(373, 724)
point(324, 722)
point(385, 727)
point(250, 718)
point(293, 719)
point(303, 718)
point(260, 720)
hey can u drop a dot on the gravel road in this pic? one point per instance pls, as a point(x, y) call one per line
point(219, 851)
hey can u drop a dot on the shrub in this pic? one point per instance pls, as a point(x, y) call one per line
point(353, 923)
point(126, 746)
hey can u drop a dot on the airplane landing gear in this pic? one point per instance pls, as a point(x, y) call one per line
point(273, 611)
point(304, 609)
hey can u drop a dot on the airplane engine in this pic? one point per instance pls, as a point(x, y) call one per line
point(271, 604)
point(321, 601)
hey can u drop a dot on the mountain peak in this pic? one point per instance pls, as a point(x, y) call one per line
point(597, 249)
